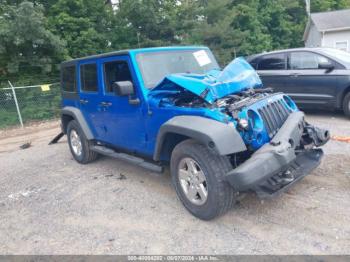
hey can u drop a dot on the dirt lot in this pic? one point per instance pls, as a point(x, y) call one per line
point(49, 204)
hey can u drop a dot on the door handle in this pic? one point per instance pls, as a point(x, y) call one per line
point(83, 101)
point(106, 104)
point(134, 101)
point(294, 75)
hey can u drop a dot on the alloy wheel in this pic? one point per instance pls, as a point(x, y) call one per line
point(75, 142)
point(193, 181)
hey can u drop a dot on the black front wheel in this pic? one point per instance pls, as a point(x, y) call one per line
point(79, 145)
point(197, 175)
point(346, 104)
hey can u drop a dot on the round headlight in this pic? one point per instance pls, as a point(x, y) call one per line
point(255, 120)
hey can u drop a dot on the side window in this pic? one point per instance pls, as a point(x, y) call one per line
point(88, 77)
point(254, 63)
point(272, 62)
point(69, 79)
point(115, 71)
point(306, 60)
point(341, 45)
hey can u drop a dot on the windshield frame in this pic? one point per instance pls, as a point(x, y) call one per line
point(149, 52)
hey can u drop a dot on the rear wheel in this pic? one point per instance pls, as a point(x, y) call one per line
point(79, 145)
point(197, 175)
point(346, 104)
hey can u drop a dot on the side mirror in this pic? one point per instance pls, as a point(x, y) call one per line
point(327, 65)
point(123, 88)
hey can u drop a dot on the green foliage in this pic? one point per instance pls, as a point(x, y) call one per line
point(36, 35)
point(216, 30)
point(244, 27)
point(26, 43)
point(85, 25)
point(328, 5)
point(157, 22)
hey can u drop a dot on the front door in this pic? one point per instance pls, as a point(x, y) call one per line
point(308, 83)
point(123, 116)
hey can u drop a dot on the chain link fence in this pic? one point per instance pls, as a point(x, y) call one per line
point(29, 103)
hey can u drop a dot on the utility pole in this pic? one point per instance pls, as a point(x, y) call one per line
point(308, 7)
point(138, 39)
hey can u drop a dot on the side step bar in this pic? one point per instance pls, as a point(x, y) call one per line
point(129, 158)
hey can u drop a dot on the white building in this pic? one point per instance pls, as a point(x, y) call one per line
point(328, 29)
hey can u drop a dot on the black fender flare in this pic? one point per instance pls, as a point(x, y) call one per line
point(220, 137)
point(76, 114)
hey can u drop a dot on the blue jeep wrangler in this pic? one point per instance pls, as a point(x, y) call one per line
point(220, 131)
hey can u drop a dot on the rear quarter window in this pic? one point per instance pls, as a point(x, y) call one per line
point(68, 78)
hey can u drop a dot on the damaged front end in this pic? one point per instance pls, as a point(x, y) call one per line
point(288, 157)
point(281, 145)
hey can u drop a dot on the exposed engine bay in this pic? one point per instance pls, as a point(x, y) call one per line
point(230, 104)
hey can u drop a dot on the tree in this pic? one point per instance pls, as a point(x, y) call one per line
point(26, 44)
point(43, 32)
point(329, 5)
point(157, 22)
point(85, 25)
point(285, 22)
point(214, 29)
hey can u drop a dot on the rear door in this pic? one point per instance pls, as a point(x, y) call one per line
point(90, 96)
point(70, 95)
point(308, 84)
point(272, 69)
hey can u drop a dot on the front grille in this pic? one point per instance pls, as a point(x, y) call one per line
point(274, 114)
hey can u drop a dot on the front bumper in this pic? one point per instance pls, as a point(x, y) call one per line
point(278, 165)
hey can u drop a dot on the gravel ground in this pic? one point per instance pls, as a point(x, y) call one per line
point(49, 204)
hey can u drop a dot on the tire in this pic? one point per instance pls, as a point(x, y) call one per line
point(346, 104)
point(82, 154)
point(220, 195)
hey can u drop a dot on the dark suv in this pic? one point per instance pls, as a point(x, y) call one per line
point(219, 130)
point(313, 77)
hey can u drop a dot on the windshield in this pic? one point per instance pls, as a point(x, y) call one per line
point(155, 66)
point(338, 54)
